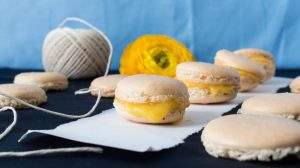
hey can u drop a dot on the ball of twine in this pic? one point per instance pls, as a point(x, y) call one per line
point(77, 53)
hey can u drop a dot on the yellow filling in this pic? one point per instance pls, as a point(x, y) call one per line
point(247, 74)
point(152, 111)
point(215, 90)
point(262, 60)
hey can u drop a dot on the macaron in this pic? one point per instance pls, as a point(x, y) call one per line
point(279, 104)
point(28, 93)
point(106, 84)
point(251, 73)
point(151, 99)
point(251, 137)
point(295, 85)
point(208, 83)
point(261, 57)
point(44, 80)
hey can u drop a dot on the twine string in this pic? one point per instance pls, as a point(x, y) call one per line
point(11, 126)
point(42, 152)
point(48, 151)
point(81, 91)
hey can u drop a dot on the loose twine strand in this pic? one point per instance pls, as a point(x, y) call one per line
point(49, 151)
point(11, 126)
point(42, 152)
point(81, 91)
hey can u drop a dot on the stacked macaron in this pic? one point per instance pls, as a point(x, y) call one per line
point(251, 73)
point(151, 99)
point(208, 83)
point(261, 57)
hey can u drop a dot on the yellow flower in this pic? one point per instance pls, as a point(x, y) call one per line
point(154, 54)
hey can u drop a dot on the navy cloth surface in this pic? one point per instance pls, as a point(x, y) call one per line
point(189, 154)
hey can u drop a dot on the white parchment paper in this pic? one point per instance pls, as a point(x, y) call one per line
point(109, 129)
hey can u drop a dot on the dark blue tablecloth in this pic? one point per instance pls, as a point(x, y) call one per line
point(189, 154)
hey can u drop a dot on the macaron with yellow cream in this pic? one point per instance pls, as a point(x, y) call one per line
point(261, 57)
point(251, 73)
point(208, 83)
point(151, 99)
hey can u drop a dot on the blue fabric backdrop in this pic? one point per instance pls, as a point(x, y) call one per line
point(204, 26)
